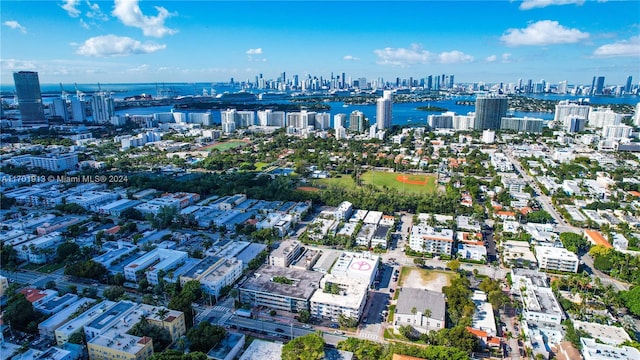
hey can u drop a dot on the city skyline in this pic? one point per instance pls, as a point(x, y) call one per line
point(202, 41)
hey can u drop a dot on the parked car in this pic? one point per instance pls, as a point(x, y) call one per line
point(279, 330)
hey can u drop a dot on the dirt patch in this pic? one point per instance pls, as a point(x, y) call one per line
point(427, 279)
point(407, 180)
point(307, 188)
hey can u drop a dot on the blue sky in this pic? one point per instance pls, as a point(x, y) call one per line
point(208, 41)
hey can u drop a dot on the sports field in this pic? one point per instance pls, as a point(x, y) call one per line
point(407, 183)
point(224, 146)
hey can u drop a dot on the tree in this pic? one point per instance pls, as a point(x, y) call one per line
point(304, 316)
point(67, 250)
point(574, 242)
point(77, 338)
point(419, 261)
point(20, 314)
point(113, 293)
point(454, 264)
point(205, 336)
point(631, 300)
point(161, 336)
point(307, 347)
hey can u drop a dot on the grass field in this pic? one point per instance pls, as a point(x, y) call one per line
point(224, 146)
point(415, 184)
point(260, 165)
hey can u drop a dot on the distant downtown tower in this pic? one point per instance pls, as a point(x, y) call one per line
point(384, 107)
point(490, 110)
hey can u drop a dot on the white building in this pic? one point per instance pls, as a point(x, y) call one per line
point(286, 252)
point(56, 162)
point(102, 107)
point(223, 272)
point(488, 136)
point(424, 310)
point(384, 109)
point(601, 117)
point(472, 252)
point(344, 211)
point(348, 301)
point(560, 259)
point(36, 251)
point(424, 238)
point(91, 200)
point(565, 108)
point(151, 263)
point(592, 350)
point(616, 132)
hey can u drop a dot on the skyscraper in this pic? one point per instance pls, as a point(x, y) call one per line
point(627, 87)
point(357, 121)
point(102, 107)
point(29, 98)
point(489, 111)
point(599, 85)
point(384, 106)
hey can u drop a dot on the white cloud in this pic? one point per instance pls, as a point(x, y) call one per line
point(95, 12)
point(84, 24)
point(15, 26)
point(491, 58)
point(454, 57)
point(532, 4)
point(350, 58)
point(544, 32)
point(129, 13)
point(402, 56)
point(629, 47)
point(112, 45)
point(256, 51)
point(506, 57)
point(71, 7)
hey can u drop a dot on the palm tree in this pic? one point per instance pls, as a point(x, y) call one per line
point(162, 313)
point(427, 313)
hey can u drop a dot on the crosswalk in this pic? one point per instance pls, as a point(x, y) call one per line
point(221, 309)
point(368, 335)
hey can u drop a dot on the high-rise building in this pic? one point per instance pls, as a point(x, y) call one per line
point(357, 121)
point(58, 108)
point(636, 116)
point(489, 111)
point(339, 120)
point(599, 85)
point(627, 87)
point(526, 124)
point(566, 108)
point(29, 98)
point(77, 111)
point(574, 123)
point(102, 107)
point(384, 106)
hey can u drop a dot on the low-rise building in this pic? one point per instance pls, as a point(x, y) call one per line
point(152, 263)
point(343, 211)
point(48, 327)
point(214, 273)
point(559, 259)
point(472, 252)
point(362, 266)
point(286, 252)
point(339, 295)
point(424, 238)
point(422, 309)
point(107, 334)
point(75, 325)
point(380, 237)
point(280, 288)
point(592, 350)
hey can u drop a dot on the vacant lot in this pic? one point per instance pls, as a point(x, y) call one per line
point(417, 278)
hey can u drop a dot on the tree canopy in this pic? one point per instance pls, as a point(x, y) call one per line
point(307, 347)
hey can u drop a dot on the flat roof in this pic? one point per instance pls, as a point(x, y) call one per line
point(421, 299)
point(305, 282)
point(612, 335)
point(115, 311)
point(263, 350)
